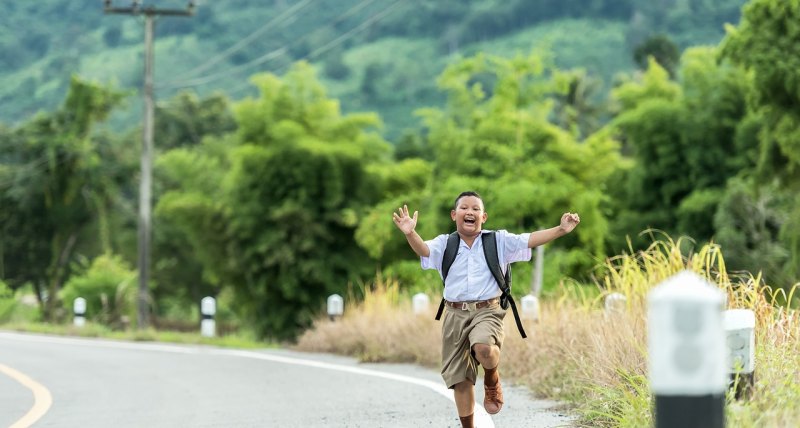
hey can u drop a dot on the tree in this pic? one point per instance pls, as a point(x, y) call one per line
point(660, 48)
point(56, 184)
point(767, 43)
point(495, 137)
point(295, 183)
point(687, 140)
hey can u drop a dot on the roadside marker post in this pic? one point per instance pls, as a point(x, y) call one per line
point(530, 307)
point(208, 308)
point(687, 353)
point(740, 332)
point(420, 303)
point(79, 312)
point(335, 306)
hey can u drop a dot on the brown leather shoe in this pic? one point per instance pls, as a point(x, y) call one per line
point(493, 398)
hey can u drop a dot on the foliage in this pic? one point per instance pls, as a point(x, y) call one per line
point(500, 133)
point(186, 119)
point(57, 181)
point(766, 43)
point(108, 285)
point(279, 229)
point(660, 48)
point(688, 138)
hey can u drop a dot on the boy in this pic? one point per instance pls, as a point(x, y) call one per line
point(474, 335)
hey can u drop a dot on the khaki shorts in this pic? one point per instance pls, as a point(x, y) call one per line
point(460, 330)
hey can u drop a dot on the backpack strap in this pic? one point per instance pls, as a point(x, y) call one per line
point(448, 258)
point(503, 281)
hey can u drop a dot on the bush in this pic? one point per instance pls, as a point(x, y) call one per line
point(108, 286)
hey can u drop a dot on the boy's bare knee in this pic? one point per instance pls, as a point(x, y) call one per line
point(482, 351)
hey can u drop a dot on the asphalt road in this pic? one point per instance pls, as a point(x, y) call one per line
point(101, 383)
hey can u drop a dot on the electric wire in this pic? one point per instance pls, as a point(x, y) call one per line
point(245, 41)
point(273, 54)
point(333, 43)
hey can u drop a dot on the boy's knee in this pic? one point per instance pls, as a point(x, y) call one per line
point(483, 351)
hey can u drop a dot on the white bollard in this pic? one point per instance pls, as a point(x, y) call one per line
point(79, 312)
point(420, 303)
point(530, 307)
point(335, 306)
point(615, 303)
point(688, 362)
point(740, 327)
point(208, 308)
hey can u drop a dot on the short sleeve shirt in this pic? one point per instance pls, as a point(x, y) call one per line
point(469, 277)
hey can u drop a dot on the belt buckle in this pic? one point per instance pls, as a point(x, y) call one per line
point(469, 306)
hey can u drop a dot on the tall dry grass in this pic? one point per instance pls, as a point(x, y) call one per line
point(578, 353)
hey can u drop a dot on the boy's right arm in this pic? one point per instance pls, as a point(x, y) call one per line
point(407, 224)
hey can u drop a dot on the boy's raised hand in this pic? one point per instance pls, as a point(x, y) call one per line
point(569, 221)
point(405, 222)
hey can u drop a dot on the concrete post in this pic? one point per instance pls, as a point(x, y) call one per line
point(530, 307)
point(686, 342)
point(420, 303)
point(208, 308)
point(79, 312)
point(741, 339)
point(335, 306)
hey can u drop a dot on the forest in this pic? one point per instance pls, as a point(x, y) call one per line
point(687, 126)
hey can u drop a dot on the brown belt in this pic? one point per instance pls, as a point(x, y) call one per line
point(471, 306)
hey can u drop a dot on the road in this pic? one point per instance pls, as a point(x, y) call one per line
point(87, 383)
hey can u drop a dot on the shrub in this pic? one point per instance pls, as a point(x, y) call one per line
point(108, 286)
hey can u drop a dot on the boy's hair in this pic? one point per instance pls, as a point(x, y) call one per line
point(467, 193)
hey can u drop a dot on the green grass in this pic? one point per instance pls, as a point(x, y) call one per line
point(239, 340)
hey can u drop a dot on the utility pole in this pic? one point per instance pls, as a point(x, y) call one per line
point(145, 183)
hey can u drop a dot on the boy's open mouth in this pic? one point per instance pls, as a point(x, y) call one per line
point(469, 220)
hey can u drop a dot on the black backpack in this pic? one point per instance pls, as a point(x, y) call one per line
point(493, 261)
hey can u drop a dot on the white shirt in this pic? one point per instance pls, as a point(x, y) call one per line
point(469, 277)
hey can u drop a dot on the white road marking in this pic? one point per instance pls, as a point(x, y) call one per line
point(482, 418)
point(42, 400)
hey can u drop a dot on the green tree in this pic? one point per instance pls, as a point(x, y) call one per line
point(495, 136)
point(767, 43)
point(687, 140)
point(295, 183)
point(186, 119)
point(56, 184)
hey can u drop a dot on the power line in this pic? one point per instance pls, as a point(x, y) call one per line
point(339, 40)
point(243, 42)
point(273, 54)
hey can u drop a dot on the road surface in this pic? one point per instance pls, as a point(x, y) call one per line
point(87, 383)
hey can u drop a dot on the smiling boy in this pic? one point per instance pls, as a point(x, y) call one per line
point(472, 333)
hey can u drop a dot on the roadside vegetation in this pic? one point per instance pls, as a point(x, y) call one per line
point(594, 361)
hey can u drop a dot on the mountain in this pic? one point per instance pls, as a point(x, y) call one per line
point(374, 55)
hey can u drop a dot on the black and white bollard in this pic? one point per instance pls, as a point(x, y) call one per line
point(740, 327)
point(208, 308)
point(688, 361)
point(420, 303)
point(335, 306)
point(79, 312)
point(530, 307)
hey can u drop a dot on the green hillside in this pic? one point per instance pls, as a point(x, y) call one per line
point(373, 55)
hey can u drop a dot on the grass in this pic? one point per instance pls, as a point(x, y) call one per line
point(596, 362)
point(239, 340)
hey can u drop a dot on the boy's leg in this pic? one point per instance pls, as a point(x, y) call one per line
point(489, 357)
point(464, 393)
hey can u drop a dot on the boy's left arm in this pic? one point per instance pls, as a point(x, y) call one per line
point(568, 222)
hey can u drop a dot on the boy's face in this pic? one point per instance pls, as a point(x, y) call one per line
point(469, 215)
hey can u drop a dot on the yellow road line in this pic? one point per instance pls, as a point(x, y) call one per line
point(42, 400)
